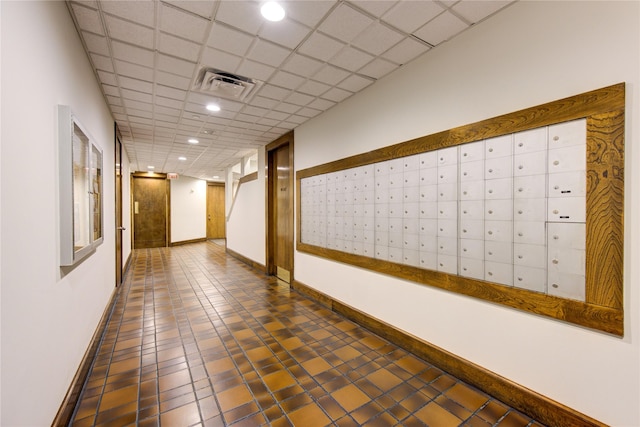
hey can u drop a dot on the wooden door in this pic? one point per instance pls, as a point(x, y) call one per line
point(150, 211)
point(216, 220)
point(280, 208)
point(119, 227)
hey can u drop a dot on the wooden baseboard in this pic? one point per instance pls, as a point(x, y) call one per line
point(65, 412)
point(533, 404)
point(184, 242)
point(246, 260)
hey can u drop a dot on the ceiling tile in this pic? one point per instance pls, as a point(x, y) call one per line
point(228, 39)
point(133, 70)
point(176, 66)
point(111, 90)
point(286, 33)
point(178, 47)
point(88, 19)
point(345, 23)
point(114, 100)
point(182, 24)
point(302, 65)
point(96, 44)
point(168, 102)
point(244, 15)
point(354, 83)
point(255, 70)
point(140, 11)
point(260, 101)
point(221, 60)
point(405, 51)
point(287, 108)
point(408, 15)
point(134, 54)
point(476, 11)
point(169, 92)
point(268, 53)
point(330, 75)
point(336, 94)
point(320, 46)
point(377, 68)
point(101, 62)
point(314, 88)
point(135, 107)
point(377, 38)
point(137, 96)
point(299, 98)
point(308, 12)
point(286, 80)
point(273, 92)
point(172, 80)
point(201, 8)
point(107, 78)
point(351, 58)
point(137, 85)
point(374, 7)
point(129, 32)
point(315, 107)
point(441, 28)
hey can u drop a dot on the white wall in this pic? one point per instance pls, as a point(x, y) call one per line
point(48, 318)
point(529, 54)
point(246, 222)
point(188, 209)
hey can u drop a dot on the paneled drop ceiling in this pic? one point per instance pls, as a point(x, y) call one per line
point(148, 55)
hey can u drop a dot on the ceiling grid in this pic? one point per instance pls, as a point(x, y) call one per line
point(147, 55)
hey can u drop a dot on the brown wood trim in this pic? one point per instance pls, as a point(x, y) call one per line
point(534, 404)
point(185, 242)
point(251, 263)
point(139, 174)
point(603, 307)
point(599, 101)
point(65, 412)
point(605, 208)
point(247, 178)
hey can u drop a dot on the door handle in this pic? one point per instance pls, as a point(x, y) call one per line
point(121, 228)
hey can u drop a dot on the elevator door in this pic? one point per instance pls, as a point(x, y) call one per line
point(280, 208)
point(150, 205)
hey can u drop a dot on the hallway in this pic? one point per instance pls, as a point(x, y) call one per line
point(199, 338)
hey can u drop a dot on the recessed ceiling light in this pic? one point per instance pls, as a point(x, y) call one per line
point(182, 158)
point(272, 11)
point(213, 107)
point(193, 141)
point(151, 167)
point(216, 177)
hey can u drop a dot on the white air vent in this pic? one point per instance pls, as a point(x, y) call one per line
point(226, 85)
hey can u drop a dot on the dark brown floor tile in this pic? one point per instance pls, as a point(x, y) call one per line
point(436, 415)
point(234, 397)
point(182, 416)
point(200, 339)
point(310, 415)
point(493, 411)
point(514, 419)
point(350, 397)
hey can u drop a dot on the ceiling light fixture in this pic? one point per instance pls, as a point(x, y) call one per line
point(151, 167)
point(213, 107)
point(182, 158)
point(272, 11)
point(193, 141)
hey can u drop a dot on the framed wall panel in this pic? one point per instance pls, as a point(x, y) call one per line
point(523, 210)
point(80, 189)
